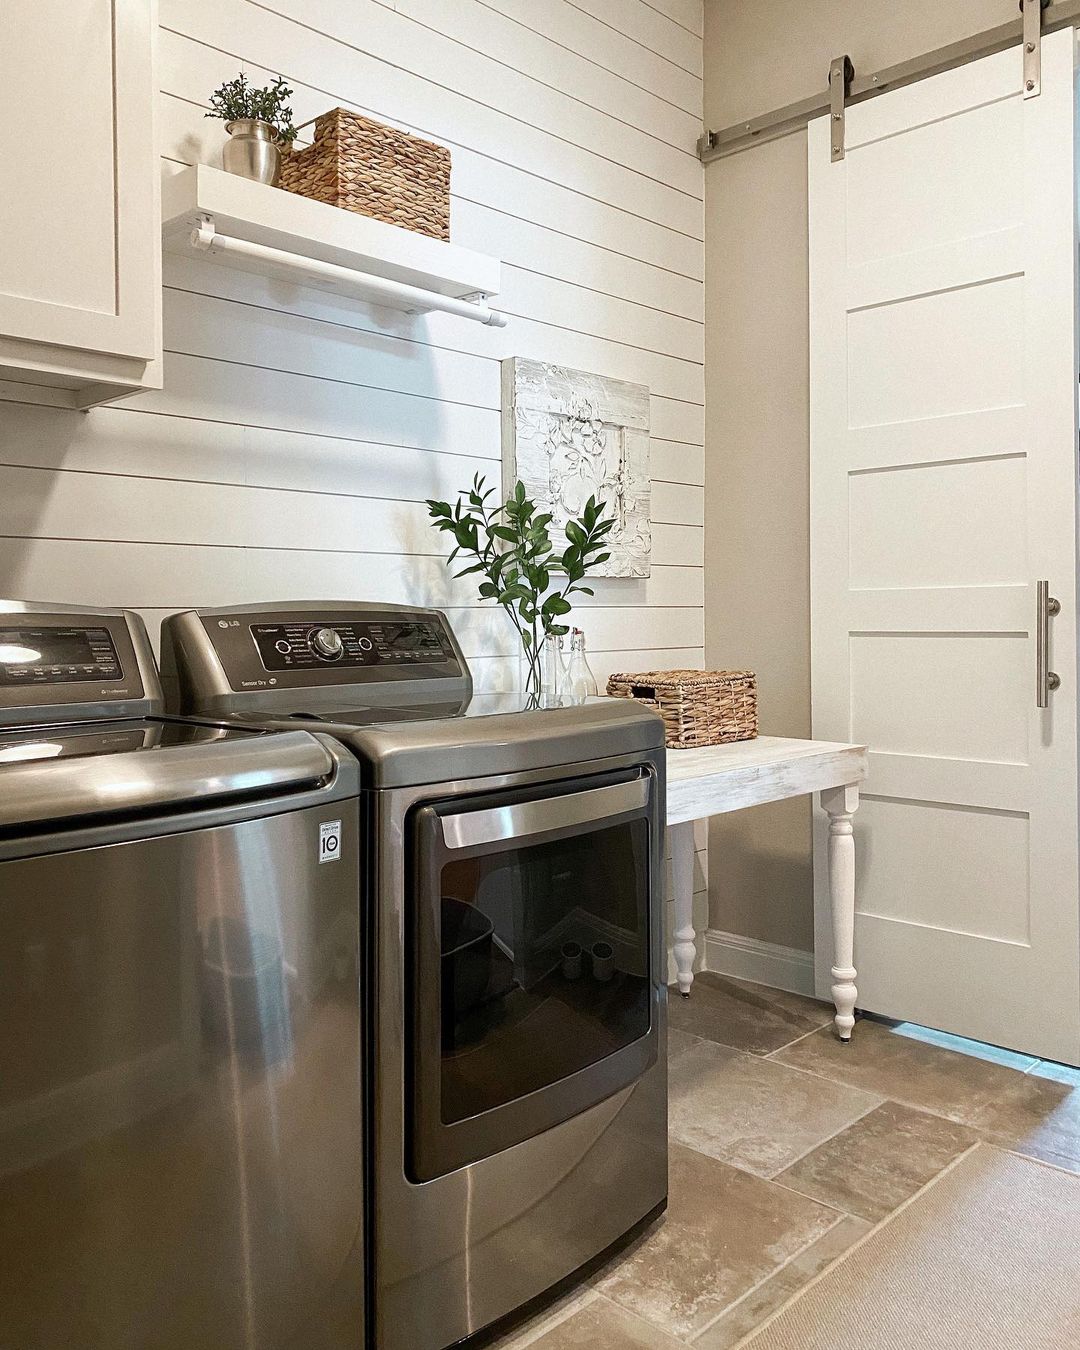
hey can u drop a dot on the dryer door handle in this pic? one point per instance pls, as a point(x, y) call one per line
point(520, 820)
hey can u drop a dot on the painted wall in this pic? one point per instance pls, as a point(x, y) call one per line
point(759, 57)
point(298, 434)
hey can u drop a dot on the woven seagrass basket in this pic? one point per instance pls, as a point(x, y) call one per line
point(374, 170)
point(699, 707)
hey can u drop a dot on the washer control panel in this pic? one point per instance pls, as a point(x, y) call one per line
point(39, 654)
point(70, 663)
point(366, 643)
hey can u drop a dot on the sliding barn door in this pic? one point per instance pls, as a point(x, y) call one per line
point(943, 490)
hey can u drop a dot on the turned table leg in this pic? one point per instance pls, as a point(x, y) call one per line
point(840, 804)
point(681, 843)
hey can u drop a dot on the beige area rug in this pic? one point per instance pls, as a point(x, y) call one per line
point(987, 1257)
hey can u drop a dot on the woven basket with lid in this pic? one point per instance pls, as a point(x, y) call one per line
point(699, 707)
point(374, 170)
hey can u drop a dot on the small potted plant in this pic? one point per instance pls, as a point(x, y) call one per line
point(259, 123)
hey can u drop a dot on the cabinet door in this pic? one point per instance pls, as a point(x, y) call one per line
point(78, 180)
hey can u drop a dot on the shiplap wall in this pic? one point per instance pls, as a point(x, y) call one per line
point(298, 434)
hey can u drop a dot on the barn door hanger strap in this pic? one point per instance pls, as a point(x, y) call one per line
point(841, 74)
point(1032, 13)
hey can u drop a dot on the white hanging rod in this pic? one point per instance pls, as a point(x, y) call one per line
point(380, 290)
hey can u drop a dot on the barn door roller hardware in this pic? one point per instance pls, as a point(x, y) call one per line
point(841, 74)
point(1036, 18)
point(1032, 11)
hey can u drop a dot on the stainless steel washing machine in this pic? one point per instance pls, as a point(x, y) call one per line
point(512, 879)
point(180, 1107)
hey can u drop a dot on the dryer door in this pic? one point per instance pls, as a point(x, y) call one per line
point(531, 979)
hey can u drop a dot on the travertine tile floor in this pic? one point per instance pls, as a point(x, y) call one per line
point(786, 1148)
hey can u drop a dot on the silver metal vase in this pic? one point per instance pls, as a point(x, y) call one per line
point(252, 151)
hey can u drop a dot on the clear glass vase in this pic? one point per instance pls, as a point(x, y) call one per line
point(553, 673)
point(542, 675)
point(531, 676)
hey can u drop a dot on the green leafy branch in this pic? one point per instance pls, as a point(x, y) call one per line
point(510, 544)
point(238, 101)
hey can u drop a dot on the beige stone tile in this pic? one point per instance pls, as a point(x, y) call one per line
point(603, 1323)
point(812, 1010)
point(910, 1068)
point(1039, 1116)
point(679, 1041)
point(753, 1113)
point(773, 1293)
point(529, 1332)
point(725, 1231)
point(748, 1017)
point(880, 1161)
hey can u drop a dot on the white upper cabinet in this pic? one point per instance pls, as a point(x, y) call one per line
point(80, 265)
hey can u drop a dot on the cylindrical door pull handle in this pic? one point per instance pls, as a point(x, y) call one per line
point(1045, 679)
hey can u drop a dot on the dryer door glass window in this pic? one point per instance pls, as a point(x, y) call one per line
point(544, 964)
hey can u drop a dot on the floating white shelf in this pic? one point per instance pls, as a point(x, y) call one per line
point(265, 230)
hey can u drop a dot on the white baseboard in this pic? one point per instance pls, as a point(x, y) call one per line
point(746, 958)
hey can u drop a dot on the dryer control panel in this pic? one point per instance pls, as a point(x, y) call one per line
point(314, 645)
point(305, 657)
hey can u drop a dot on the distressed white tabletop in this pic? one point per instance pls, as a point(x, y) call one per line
point(718, 778)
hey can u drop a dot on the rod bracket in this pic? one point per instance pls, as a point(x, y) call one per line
point(841, 74)
point(202, 233)
point(1032, 10)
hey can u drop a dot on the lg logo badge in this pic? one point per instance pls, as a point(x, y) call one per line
point(330, 841)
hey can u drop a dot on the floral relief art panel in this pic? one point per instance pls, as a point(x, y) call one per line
point(569, 435)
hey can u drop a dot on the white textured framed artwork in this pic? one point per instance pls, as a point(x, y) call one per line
point(569, 435)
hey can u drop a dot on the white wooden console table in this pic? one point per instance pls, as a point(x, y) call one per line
point(718, 778)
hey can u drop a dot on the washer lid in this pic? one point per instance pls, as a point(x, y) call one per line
point(62, 775)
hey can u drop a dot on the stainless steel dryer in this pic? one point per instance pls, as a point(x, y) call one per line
point(180, 1114)
point(513, 905)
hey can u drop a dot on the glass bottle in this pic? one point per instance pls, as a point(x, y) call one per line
point(554, 677)
point(580, 681)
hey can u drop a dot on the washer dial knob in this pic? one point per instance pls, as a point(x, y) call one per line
point(326, 643)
